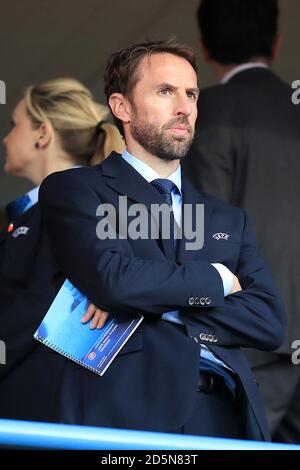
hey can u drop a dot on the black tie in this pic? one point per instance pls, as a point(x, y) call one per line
point(165, 188)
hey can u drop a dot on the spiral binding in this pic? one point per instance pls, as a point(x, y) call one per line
point(67, 355)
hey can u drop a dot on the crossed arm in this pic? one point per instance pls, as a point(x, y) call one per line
point(114, 279)
point(98, 317)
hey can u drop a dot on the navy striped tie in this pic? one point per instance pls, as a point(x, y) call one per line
point(165, 188)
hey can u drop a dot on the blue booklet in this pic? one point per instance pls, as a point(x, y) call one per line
point(62, 330)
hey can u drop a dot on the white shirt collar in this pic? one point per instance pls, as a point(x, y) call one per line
point(241, 68)
point(148, 173)
point(33, 195)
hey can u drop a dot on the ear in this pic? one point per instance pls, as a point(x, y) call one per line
point(45, 132)
point(276, 47)
point(120, 107)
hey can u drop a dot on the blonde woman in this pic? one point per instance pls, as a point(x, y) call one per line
point(56, 126)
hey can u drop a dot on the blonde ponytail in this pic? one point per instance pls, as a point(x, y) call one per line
point(68, 106)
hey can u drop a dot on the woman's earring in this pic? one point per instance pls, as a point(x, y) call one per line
point(37, 145)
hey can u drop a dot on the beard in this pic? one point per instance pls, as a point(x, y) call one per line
point(160, 143)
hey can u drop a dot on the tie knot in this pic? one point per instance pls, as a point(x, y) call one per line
point(165, 188)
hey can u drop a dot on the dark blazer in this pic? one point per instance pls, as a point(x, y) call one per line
point(246, 151)
point(151, 385)
point(29, 280)
point(2, 218)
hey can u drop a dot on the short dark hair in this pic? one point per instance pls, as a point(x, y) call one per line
point(235, 31)
point(120, 76)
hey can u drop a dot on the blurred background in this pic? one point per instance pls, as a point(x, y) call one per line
point(42, 39)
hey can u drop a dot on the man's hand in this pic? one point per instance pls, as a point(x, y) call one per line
point(236, 286)
point(98, 317)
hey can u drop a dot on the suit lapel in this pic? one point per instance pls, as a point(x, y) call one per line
point(190, 221)
point(20, 246)
point(126, 181)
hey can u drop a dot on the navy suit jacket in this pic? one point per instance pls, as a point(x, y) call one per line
point(151, 384)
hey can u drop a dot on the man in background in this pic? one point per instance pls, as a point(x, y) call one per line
point(246, 151)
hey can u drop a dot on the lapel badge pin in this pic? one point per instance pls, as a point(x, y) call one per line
point(10, 228)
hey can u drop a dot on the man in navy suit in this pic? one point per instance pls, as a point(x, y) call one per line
point(183, 371)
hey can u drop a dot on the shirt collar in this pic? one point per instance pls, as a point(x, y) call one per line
point(148, 173)
point(33, 195)
point(241, 68)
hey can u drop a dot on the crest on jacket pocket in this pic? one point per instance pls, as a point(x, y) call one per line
point(20, 231)
point(221, 236)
